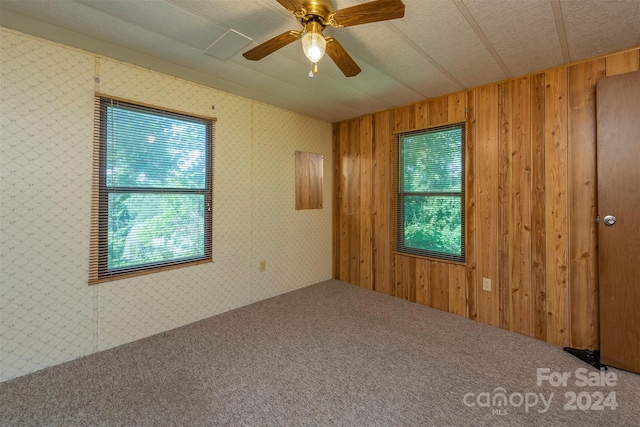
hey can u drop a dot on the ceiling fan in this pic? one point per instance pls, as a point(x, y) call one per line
point(315, 16)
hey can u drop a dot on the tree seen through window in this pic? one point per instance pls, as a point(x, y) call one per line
point(155, 188)
point(431, 192)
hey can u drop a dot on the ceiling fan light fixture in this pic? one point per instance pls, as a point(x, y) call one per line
point(313, 43)
point(315, 16)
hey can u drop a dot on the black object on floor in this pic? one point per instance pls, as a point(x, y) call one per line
point(591, 357)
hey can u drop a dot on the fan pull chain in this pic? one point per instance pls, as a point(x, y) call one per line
point(311, 71)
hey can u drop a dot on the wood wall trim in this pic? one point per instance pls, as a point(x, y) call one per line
point(429, 258)
point(421, 128)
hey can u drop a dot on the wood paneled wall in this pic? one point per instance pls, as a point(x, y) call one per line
point(530, 208)
point(309, 170)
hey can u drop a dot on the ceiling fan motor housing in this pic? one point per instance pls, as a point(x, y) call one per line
point(318, 8)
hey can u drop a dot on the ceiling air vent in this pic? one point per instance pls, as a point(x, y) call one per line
point(228, 45)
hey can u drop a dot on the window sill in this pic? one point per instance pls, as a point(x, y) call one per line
point(446, 261)
point(145, 272)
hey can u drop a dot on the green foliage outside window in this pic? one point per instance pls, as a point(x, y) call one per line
point(431, 197)
point(155, 186)
point(152, 228)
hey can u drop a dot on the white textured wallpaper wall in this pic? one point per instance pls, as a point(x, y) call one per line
point(49, 314)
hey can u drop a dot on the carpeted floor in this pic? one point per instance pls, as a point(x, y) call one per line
point(330, 354)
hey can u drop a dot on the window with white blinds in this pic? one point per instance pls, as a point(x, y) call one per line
point(431, 192)
point(152, 190)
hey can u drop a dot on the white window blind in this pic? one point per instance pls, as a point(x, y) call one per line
point(431, 192)
point(152, 187)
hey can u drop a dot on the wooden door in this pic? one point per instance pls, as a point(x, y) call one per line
point(618, 109)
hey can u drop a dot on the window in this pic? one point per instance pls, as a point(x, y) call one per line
point(431, 192)
point(152, 195)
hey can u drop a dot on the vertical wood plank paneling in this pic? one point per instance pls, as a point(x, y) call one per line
point(354, 202)
point(520, 289)
point(422, 114)
point(556, 176)
point(401, 277)
point(530, 203)
point(456, 107)
point(623, 63)
point(366, 190)
point(422, 282)
point(438, 111)
point(405, 277)
point(457, 290)
point(345, 185)
point(412, 282)
point(316, 178)
point(393, 177)
point(302, 180)
point(307, 187)
point(308, 177)
point(336, 202)
point(582, 204)
point(487, 203)
point(405, 118)
point(439, 285)
point(382, 209)
point(538, 203)
point(470, 207)
point(504, 193)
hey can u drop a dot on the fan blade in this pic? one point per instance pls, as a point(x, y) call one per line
point(272, 45)
point(342, 59)
point(292, 6)
point(373, 11)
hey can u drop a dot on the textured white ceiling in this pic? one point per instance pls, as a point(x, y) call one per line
point(439, 47)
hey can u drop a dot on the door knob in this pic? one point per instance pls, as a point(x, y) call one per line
point(609, 220)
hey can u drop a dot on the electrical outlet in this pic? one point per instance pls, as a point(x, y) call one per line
point(486, 284)
point(263, 265)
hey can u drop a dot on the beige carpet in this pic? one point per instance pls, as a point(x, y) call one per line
point(330, 354)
